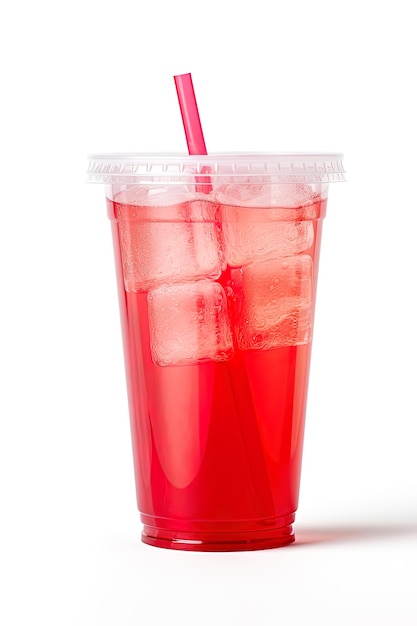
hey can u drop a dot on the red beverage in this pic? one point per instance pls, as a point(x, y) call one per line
point(217, 260)
point(217, 426)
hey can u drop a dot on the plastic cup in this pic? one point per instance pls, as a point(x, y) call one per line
point(217, 294)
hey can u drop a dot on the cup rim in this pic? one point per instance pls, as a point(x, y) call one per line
point(281, 167)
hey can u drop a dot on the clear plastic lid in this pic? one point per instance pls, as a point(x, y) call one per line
point(178, 168)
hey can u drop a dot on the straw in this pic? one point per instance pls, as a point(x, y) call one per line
point(262, 495)
point(190, 116)
point(192, 126)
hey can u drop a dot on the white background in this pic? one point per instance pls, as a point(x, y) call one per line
point(83, 77)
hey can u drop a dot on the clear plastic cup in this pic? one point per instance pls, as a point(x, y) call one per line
point(216, 259)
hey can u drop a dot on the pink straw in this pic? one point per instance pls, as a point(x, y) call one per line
point(189, 113)
point(192, 126)
point(256, 461)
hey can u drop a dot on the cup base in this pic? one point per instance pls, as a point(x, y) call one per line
point(226, 541)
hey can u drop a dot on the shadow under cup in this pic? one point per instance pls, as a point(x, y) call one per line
point(216, 259)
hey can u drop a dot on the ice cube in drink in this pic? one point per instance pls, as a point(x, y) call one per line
point(249, 238)
point(273, 303)
point(260, 222)
point(169, 243)
point(189, 323)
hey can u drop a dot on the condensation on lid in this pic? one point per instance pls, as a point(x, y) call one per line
point(179, 168)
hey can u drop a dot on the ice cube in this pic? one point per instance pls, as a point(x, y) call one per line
point(263, 219)
point(189, 323)
point(273, 303)
point(170, 243)
point(256, 234)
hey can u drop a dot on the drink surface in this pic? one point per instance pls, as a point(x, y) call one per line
point(217, 307)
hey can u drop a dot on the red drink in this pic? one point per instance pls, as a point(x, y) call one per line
point(217, 261)
point(217, 425)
